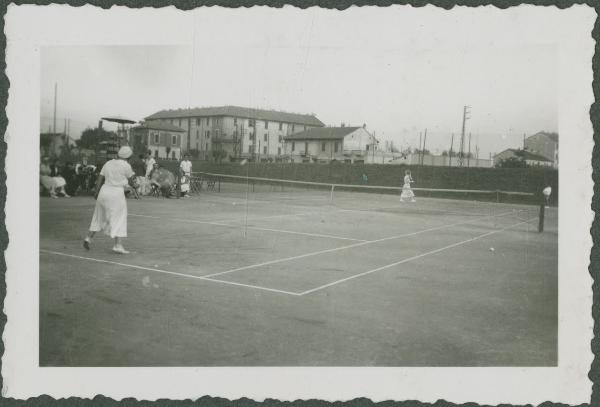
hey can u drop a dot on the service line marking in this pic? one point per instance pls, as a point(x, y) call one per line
point(363, 243)
point(173, 273)
point(292, 232)
point(342, 280)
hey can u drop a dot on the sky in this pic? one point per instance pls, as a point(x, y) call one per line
point(399, 72)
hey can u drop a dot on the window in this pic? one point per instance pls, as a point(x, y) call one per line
point(280, 126)
point(266, 124)
point(198, 121)
point(293, 127)
point(293, 146)
point(217, 133)
point(251, 136)
point(250, 148)
point(173, 155)
point(265, 150)
point(278, 150)
point(172, 121)
point(306, 148)
point(266, 137)
point(336, 146)
point(235, 121)
point(250, 122)
point(207, 121)
point(174, 140)
point(304, 128)
point(197, 135)
point(207, 133)
point(156, 138)
point(179, 122)
point(155, 153)
point(368, 148)
point(323, 146)
point(280, 138)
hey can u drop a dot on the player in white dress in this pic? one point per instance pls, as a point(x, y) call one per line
point(185, 172)
point(110, 214)
point(407, 192)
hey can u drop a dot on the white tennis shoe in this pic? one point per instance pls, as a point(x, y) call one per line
point(120, 249)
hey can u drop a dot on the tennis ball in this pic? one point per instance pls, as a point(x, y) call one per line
point(492, 249)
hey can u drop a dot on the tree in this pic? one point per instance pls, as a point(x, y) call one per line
point(512, 162)
point(219, 154)
point(91, 138)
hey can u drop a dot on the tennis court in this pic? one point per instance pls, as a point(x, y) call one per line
point(280, 275)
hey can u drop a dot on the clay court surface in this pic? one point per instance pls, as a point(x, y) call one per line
point(362, 280)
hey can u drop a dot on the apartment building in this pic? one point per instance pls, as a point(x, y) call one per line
point(162, 139)
point(237, 132)
point(544, 144)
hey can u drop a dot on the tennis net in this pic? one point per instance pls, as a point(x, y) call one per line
point(366, 197)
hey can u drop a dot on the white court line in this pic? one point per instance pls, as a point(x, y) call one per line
point(249, 227)
point(173, 273)
point(412, 258)
point(229, 221)
point(301, 256)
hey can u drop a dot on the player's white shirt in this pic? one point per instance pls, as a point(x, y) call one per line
point(149, 165)
point(186, 166)
point(116, 173)
point(547, 191)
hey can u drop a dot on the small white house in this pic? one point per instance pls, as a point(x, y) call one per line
point(325, 144)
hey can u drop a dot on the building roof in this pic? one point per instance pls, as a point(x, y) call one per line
point(526, 155)
point(158, 125)
point(236, 111)
point(323, 133)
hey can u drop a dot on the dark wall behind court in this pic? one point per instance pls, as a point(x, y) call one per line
point(531, 180)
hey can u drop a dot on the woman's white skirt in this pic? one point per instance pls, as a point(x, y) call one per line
point(185, 184)
point(407, 193)
point(59, 181)
point(47, 182)
point(110, 214)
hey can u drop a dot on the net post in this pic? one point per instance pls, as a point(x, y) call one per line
point(541, 218)
point(331, 196)
point(219, 187)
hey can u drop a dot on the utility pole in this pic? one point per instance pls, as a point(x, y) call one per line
point(469, 154)
point(423, 150)
point(419, 151)
point(54, 122)
point(523, 141)
point(461, 155)
point(450, 153)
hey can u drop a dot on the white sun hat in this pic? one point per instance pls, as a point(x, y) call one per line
point(125, 152)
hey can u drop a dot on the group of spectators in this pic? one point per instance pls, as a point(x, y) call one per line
point(66, 179)
point(146, 168)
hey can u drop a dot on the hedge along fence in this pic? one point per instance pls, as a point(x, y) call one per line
point(529, 180)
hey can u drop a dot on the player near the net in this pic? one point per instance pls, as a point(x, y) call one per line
point(407, 192)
